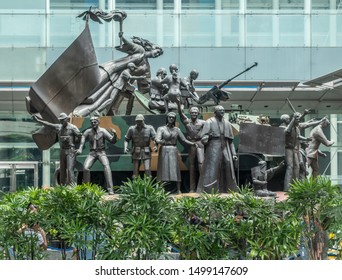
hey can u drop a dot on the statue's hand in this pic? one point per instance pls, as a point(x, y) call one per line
point(324, 155)
point(113, 131)
point(205, 139)
point(235, 158)
point(155, 149)
point(120, 34)
point(79, 151)
point(126, 151)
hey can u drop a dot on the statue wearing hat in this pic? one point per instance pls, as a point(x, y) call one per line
point(97, 136)
point(68, 135)
point(140, 135)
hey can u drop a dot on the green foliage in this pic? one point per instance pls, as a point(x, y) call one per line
point(144, 221)
point(318, 202)
point(238, 226)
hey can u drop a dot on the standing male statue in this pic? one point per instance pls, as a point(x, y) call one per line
point(220, 155)
point(68, 135)
point(141, 135)
point(317, 138)
point(292, 146)
point(97, 136)
point(193, 128)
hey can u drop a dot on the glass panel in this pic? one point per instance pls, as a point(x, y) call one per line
point(230, 5)
point(136, 4)
point(323, 30)
point(259, 31)
point(291, 4)
point(321, 4)
point(259, 4)
point(5, 180)
point(198, 4)
point(78, 4)
point(291, 31)
point(22, 30)
point(65, 28)
point(230, 30)
point(198, 30)
point(339, 134)
point(25, 64)
point(23, 4)
point(168, 4)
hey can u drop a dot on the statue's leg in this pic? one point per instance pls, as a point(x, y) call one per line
point(63, 180)
point(147, 166)
point(192, 168)
point(107, 172)
point(88, 163)
point(136, 164)
point(289, 169)
point(130, 104)
point(71, 159)
point(315, 168)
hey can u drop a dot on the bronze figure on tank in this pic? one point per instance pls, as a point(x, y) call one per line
point(141, 135)
point(220, 155)
point(68, 135)
point(317, 138)
point(158, 91)
point(187, 99)
point(193, 128)
point(261, 175)
point(168, 165)
point(96, 136)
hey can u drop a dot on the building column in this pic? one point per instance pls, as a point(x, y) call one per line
point(275, 24)
point(307, 23)
point(46, 168)
point(160, 22)
point(333, 149)
point(242, 23)
point(176, 22)
point(218, 23)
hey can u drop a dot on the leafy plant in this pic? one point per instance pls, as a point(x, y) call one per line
point(316, 201)
point(144, 216)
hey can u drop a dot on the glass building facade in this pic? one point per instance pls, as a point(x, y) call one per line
point(291, 40)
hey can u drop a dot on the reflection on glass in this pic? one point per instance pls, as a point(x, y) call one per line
point(136, 4)
point(291, 4)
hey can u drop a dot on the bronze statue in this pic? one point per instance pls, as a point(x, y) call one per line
point(138, 51)
point(193, 128)
point(220, 155)
point(97, 136)
point(158, 91)
point(260, 177)
point(187, 99)
point(68, 135)
point(141, 135)
point(168, 165)
point(317, 138)
point(292, 145)
point(303, 170)
point(174, 83)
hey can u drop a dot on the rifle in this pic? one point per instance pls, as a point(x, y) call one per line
point(217, 94)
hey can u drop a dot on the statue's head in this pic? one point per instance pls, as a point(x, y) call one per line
point(173, 69)
point(285, 118)
point(219, 111)
point(171, 118)
point(63, 119)
point(262, 164)
point(194, 74)
point(131, 66)
point(139, 120)
point(94, 121)
point(194, 111)
point(161, 72)
point(325, 122)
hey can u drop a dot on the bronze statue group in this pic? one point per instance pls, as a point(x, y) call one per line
point(211, 151)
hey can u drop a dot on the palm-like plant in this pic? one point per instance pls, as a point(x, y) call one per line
point(316, 201)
